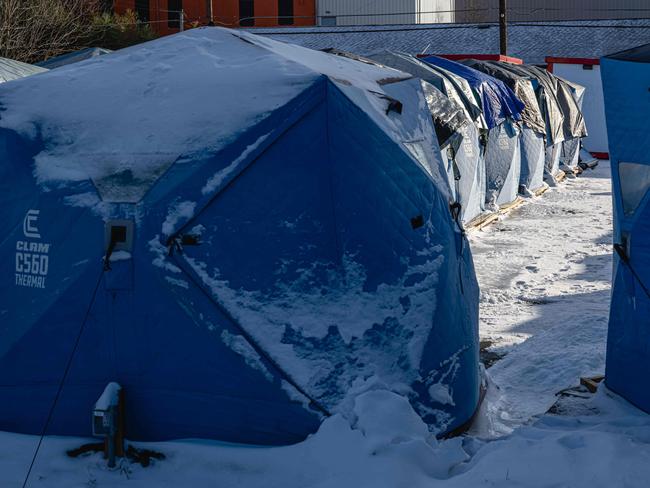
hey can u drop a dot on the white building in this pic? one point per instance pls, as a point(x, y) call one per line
point(384, 12)
point(381, 12)
point(551, 10)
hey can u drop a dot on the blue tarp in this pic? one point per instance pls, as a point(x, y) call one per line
point(288, 243)
point(627, 105)
point(499, 102)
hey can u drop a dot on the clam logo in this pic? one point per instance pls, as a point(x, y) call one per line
point(32, 258)
point(29, 224)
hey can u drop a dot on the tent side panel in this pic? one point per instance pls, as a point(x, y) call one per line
point(379, 193)
point(627, 108)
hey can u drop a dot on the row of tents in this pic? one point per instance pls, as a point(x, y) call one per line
point(504, 129)
point(245, 234)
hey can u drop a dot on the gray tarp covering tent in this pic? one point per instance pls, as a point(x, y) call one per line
point(546, 90)
point(521, 85)
point(12, 70)
point(571, 146)
point(533, 130)
point(462, 152)
point(73, 57)
point(502, 113)
point(573, 126)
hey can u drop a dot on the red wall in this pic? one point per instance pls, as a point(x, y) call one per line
point(225, 13)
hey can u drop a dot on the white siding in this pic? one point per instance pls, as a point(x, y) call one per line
point(541, 10)
point(366, 12)
point(593, 107)
point(382, 12)
point(435, 11)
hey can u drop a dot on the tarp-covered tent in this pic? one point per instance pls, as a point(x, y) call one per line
point(13, 70)
point(502, 109)
point(259, 233)
point(572, 143)
point(533, 129)
point(627, 104)
point(546, 89)
point(461, 151)
point(573, 123)
point(73, 57)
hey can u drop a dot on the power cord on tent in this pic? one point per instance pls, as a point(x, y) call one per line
point(63, 378)
point(620, 250)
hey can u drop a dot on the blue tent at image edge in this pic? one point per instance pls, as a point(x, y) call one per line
point(257, 233)
point(502, 111)
point(627, 105)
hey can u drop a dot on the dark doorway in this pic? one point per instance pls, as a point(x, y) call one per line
point(142, 10)
point(246, 13)
point(174, 8)
point(285, 12)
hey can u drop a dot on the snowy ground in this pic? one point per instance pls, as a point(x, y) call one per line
point(545, 273)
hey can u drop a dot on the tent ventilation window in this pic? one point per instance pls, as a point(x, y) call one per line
point(417, 222)
point(635, 183)
point(118, 236)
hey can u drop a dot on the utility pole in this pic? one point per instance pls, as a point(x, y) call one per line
point(210, 13)
point(503, 27)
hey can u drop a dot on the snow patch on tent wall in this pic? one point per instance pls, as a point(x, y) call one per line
point(241, 346)
point(179, 212)
point(294, 395)
point(218, 179)
point(160, 252)
point(176, 282)
point(326, 338)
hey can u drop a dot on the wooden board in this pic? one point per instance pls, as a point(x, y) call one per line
point(482, 221)
point(540, 191)
point(591, 383)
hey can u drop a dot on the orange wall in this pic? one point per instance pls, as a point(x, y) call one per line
point(225, 12)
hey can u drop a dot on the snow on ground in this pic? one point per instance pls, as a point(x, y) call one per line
point(545, 273)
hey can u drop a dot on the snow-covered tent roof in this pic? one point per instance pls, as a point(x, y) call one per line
point(497, 100)
point(73, 57)
point(12, 70)
point(249, 233)
point(169, 136)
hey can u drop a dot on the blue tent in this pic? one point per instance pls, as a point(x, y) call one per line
point(501, 109)
point(259, 232)
point(625, 83)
